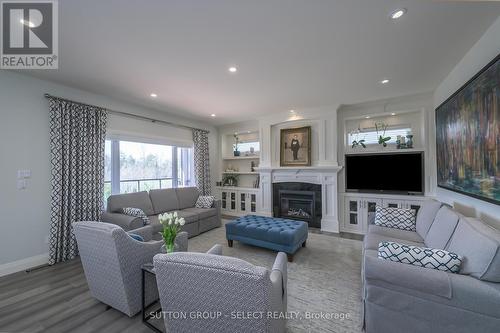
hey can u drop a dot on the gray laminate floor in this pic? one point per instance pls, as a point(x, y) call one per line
point(324, 279)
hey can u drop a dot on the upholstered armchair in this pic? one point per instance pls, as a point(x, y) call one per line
point(112, 263)
point(225, 289)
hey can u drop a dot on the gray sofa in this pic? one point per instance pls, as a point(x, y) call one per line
point(399, 297)
point(156, 202)
point(224, 288)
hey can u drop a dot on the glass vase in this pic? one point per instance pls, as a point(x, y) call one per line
point(170, 246)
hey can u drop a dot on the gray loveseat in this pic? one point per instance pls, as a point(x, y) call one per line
point(156, 202)
point(399, 297)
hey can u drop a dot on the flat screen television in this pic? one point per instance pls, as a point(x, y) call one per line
point(397, 173)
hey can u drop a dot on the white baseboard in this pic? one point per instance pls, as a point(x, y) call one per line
point(23, 264)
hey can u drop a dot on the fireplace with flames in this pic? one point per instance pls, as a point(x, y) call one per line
point(298, 202)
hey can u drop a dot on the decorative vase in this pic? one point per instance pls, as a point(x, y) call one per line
point(409, 142)
point(168, 247)
point(236, 153)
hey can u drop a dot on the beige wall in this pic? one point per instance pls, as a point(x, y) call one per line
point(24, 144)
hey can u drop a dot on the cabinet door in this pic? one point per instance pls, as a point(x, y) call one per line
point(393, 203)
point(413, 205)
point(352, 219)
point(253, 202)
point(224, 200)
point(232, 201)
point(369, 208)
point(243, 202)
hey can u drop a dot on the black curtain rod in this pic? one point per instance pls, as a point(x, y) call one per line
point(130, 115)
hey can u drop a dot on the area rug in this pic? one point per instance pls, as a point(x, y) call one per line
point(324, 280)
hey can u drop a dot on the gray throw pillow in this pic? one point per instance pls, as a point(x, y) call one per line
point(137, 212)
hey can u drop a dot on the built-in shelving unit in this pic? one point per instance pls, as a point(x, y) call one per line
point(235, 158)
point(238, 201)
point(243, 166)
point(239, 173)
point(241, 188)
point(242, 199)
point(383, 151)
point(357, 210)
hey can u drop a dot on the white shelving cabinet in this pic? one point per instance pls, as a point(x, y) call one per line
point(238, 201)
point(359, 208)
point(359, 212)
point(241, 199)
point(235, 158)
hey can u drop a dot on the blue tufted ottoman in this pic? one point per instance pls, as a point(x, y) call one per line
point(272, 233)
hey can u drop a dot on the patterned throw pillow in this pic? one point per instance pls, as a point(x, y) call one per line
point(397, 218)
point(205, 201)
point(420, 256)
point(137, 212)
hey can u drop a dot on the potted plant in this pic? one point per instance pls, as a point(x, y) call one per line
point(172, 224)
point(236, 143)
point(382, 139)
point(230, 180)
point(357, 142)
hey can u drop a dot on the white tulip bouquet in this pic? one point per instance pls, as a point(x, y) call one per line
point(172, 224)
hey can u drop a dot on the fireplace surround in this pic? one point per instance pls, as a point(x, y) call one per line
point(323, 176)
point(298, 201)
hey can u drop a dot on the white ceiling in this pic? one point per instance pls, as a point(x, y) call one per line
point(290, 53)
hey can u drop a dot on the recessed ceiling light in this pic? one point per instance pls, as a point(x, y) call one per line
point(153, 95)
point(367, 117)
point(249, 132)
point(398, 13)
point(212, 115)
point(384, 81)
point(393, 114)
point(292, 111)
point(232, 69)
point(28, 23)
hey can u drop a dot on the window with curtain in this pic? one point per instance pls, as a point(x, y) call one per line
point(138, 166)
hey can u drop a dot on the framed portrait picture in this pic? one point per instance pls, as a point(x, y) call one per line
point(295, 146)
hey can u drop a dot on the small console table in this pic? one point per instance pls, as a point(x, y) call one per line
point(147, 316)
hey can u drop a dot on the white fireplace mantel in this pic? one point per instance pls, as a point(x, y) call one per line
point(326, 176)
point(319, 168)
point(324, 169)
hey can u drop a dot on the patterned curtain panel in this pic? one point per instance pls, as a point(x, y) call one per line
point(202, 161)
point(77, 139)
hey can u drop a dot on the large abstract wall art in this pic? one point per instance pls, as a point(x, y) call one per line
point(468, 137)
